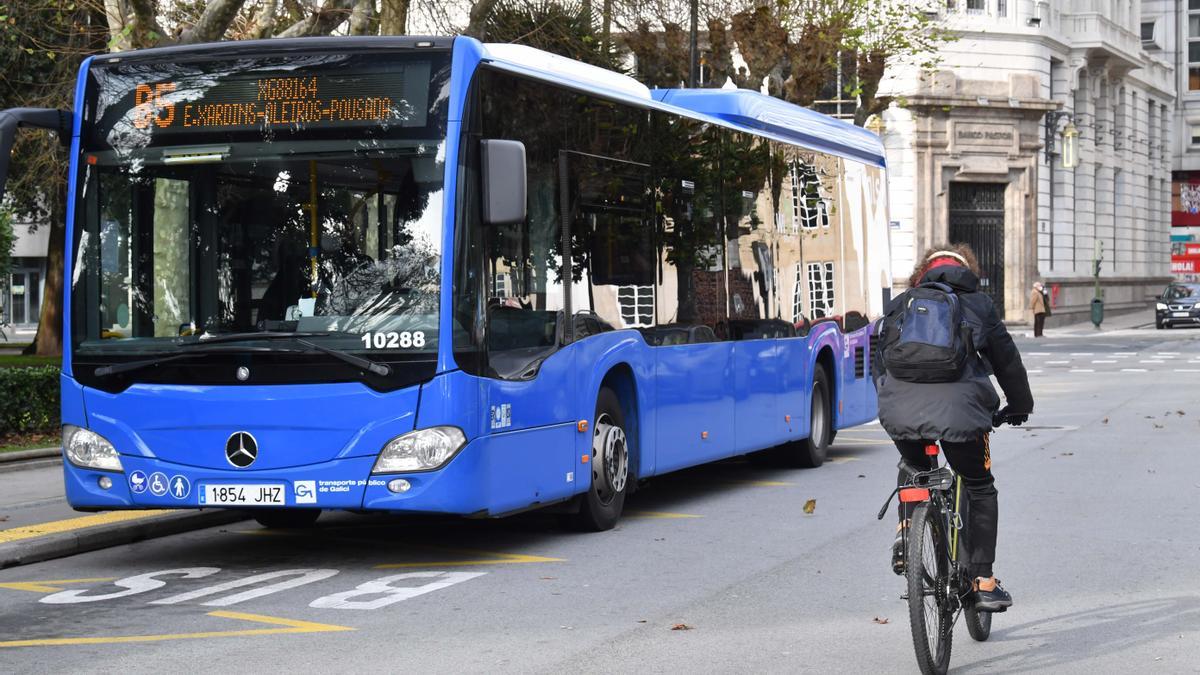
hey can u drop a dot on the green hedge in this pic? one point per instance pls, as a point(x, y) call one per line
point(29, 399)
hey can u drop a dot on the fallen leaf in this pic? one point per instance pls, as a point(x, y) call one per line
point(1066, 454)
point(641, 621)
point(1158, 426)
point(1104, 421)
point(681, 626)
point(810, 506)
point(1180, 413)
point(547, 578)
point(880, 621)
point(861, 475)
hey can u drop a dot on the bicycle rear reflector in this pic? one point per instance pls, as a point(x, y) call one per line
point(931, 450)
point(914, 495)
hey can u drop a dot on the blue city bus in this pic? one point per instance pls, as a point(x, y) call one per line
point(431, 275)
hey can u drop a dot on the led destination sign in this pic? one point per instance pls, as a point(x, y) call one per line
point(277, 100)
point(139, 105)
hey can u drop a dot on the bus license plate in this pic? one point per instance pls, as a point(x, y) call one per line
point(243, 495)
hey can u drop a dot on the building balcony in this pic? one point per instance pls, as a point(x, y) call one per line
point(1087, 27)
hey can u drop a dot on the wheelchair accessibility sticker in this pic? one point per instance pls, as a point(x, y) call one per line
point(158, 484)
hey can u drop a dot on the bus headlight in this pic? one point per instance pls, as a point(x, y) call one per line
point(420, 450)
point(89, 449)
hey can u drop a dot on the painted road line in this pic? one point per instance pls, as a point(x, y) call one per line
point(1058, 363)
point(1150, 361)
point(72, 524)
point(1133, 370)
point(499, 559)
point(1104, 361)
point(52, 586)
point(282, 627)
point(1082, 354)
point(659, 514)
point(1039, 353)
point(1178, 370)
point(1166, 353)
point(1033, 372)
point(759, 483)
point(1081, 370)
point(843, 460)
point(863, 441)
point(1125, 353)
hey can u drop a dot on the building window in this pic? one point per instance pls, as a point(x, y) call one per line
point(1193, 45)
point(501, 286)
point(1001, 7)
point(820, 288)
point(976, 6)
point(637, 305)
point(1195, 132)
point(808, 206)
point(797, 295)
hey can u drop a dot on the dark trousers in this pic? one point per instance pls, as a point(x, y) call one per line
point(1039, 322)
point(972, 461)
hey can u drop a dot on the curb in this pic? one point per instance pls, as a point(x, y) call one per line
point(22, 455)
point(106, 536)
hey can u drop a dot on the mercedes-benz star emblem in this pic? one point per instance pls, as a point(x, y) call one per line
point(243, 373)
point(241, 449)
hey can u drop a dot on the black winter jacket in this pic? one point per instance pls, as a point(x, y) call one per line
point(958, 411)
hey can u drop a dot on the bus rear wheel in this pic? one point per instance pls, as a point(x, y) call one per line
point(810, 452)
point(284, 519)
point(600, 507)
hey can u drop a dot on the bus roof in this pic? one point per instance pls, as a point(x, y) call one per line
point(738, 108)
point(752, 110)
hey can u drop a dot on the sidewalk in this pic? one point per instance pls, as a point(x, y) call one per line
point(1122, 324)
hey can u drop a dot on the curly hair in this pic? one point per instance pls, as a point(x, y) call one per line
point(923, 265)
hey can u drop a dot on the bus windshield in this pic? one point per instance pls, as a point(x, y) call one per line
point(261, 195)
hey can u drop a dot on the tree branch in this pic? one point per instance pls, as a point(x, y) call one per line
point(213, 23)
point(146, 30)
point(322, 22)
point(480, 11)
point(363, 18)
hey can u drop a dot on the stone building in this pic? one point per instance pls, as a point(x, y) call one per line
point(975, 152)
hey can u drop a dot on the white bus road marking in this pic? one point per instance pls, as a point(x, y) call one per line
point(1133, 370)
point(1187, 370)
point(391, 594)
point(303, 576)
point(1104, 361)
point(1082, 354)
point(1150, 361)
point(1081, 370)
point(1057, 363)
point(388, 587)
point(1039, 353)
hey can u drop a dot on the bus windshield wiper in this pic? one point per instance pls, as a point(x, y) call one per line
point(129, 366)
point(191, 349)
point(381, 369)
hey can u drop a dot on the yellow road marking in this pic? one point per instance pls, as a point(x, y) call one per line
point(863, 441)
point(52, 586)
point(659, 514)
point(841, 460)
point(71, 524)
point(475, 557)
point(762, 483)
point(283, 627)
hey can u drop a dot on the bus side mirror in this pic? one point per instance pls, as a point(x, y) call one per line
point(504, 181)
point(43, 118)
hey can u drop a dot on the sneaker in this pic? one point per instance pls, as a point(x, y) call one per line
point(995, 600)
point(898, 552)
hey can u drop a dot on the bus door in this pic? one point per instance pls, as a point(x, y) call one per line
point(693, 357)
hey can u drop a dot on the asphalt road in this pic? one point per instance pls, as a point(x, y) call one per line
point(718, 569)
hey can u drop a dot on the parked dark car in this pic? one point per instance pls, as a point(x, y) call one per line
point(1179, 305)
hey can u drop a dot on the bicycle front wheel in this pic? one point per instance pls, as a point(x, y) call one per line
point(928, 574)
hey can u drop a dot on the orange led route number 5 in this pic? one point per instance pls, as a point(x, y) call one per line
point(150, 105)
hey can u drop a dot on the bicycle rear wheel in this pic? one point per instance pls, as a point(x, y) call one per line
point(928, 574)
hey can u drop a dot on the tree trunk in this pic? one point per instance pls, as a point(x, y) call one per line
point(116, 13)
point(48, 340)
point(363, 20)
point(393, 17)
point(480, 11)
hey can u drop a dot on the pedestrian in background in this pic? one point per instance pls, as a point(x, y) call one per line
point(1040, 307)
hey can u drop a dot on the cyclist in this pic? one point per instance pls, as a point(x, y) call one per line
point(960, 413)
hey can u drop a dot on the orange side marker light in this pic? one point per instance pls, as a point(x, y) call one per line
point(582, 426)
point(704, 435)
point(584, 459)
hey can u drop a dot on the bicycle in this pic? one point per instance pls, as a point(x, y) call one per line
point(939, 584)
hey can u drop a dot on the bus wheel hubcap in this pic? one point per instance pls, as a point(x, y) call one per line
point(610, 458)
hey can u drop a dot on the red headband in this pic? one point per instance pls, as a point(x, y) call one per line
point(943, 262)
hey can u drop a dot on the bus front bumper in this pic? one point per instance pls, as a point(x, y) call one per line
point(459, 487)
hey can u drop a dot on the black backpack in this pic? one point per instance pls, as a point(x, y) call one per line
point(926, 339)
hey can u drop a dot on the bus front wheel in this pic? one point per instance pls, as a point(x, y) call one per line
point(283, 519)
point(600, 507)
